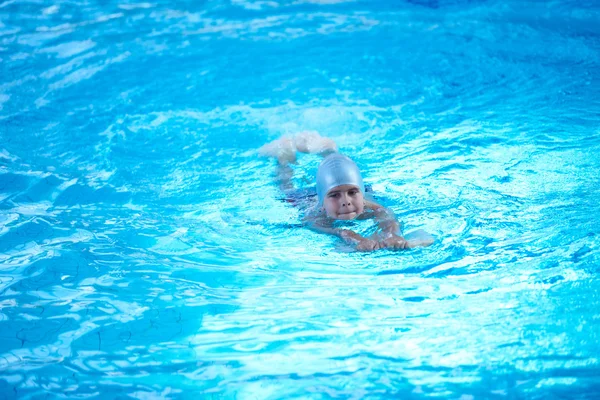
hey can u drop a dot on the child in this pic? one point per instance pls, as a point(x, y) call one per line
point(340, 194)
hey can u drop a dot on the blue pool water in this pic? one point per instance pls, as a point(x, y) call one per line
point(145, 251)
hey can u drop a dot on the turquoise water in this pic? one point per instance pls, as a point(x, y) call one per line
point(145, 251)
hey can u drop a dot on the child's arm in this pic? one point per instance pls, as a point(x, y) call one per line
point(388, 232)
point(361, 243)
point(388, 235)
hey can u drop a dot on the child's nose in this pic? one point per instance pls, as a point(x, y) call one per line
point(345, 200)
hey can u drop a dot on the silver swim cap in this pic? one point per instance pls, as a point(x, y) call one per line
point(335, 170)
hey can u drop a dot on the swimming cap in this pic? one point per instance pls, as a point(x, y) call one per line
point(335, 170)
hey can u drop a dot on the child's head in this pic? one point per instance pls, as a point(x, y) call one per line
point(340, 187)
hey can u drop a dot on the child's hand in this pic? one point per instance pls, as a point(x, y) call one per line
point(313, 143)
point(367, 245)
point(361, 243)
point(394, 242)
point(282, 149)
point(418, 238)
point(419, 243)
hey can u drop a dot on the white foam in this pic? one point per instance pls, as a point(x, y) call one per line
point(51, 10)
point(69, 49)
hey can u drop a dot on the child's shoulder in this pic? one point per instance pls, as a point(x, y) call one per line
point(372, 210)
point(372, 205)
point(315, 218)
point(313, 213)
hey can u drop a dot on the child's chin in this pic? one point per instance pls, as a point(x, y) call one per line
point(347, 217)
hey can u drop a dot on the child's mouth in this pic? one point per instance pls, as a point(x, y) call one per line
point(347, 215)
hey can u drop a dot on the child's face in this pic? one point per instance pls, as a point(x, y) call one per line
point(344, 202)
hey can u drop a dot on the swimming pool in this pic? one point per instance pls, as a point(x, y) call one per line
point(145, 251)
